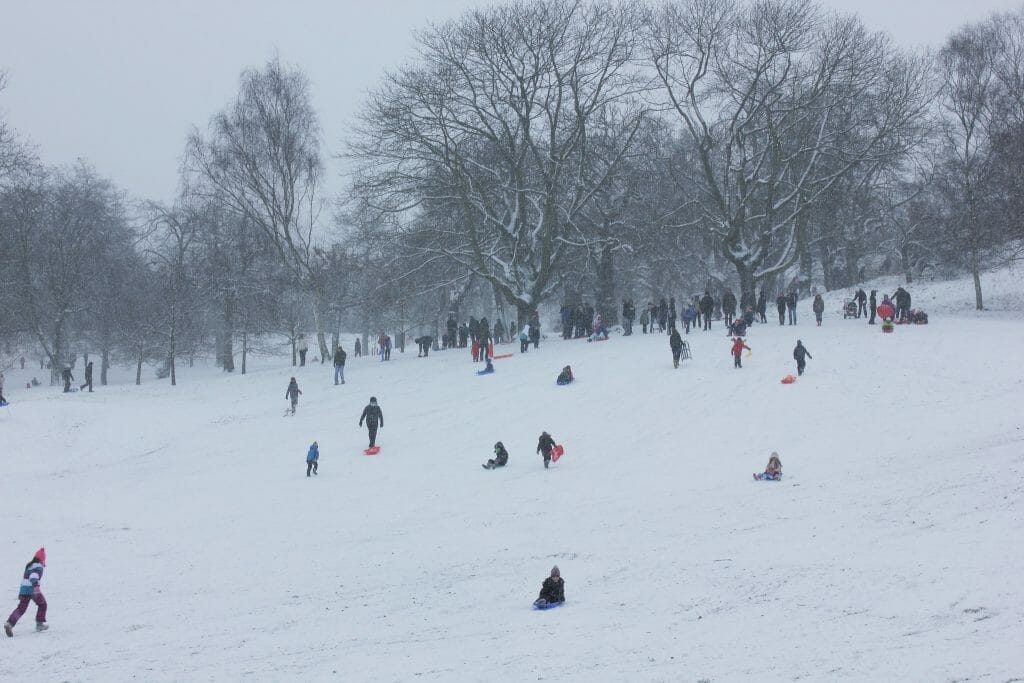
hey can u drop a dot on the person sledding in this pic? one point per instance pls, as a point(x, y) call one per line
point(545, 445)
point(487, 370)
point(374, 419)
point(312, 459)
point(737, 352)
point(773, 472)
point(552, 591)
point(800, 355)
point(600, 331)
point(30, 591)
point(565, 376)
point(500, 458)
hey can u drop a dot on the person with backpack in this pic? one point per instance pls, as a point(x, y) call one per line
point(800, 355)
point(818, 306)
point(374, 419)
point(737, 352)
point(675, 342)
point(552, 591)
point(30, 591)
point(339, 365)
point(292, 393)
point(544, 446)
point(500, 458)
point(312, 459)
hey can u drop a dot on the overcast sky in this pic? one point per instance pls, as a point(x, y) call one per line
point(120, 82)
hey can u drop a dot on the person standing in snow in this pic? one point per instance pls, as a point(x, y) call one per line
point(339, 365)
point(791, 307)
point(312, 459)
point(675, 342)
point(728, 307)
point(737, 352)
point(707, 308)
point(862, 302)
point(818, 306)
point(645, 318)
point(68, 378)
point(303, 348)
point(88, 377)
point(552, 590)
point(30, 591)
point(292, 393)
point(500, 458)
point(780, 304)
point(374, 419)
point(762, 305)
point(800, 355)
point(544, 446)
point(359, 348)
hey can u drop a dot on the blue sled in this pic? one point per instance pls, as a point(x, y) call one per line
point(547, 605)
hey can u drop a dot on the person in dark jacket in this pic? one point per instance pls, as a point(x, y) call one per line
point(313, 459)
point(544, 446)
point(902, 300)
point(862, 302)
point(800, 355)
point(728, 306)
point(68, 378)
point(88, 377)
point(671, 313)
point(565, 376)
point(339, 365)
point(423, 343)
point(762, 306)
point(500, 458)
point(359, 349)
point(818, 306)
point(780, 303)
point(791, 307)
point(374, 419)
point(553, 589)
point(675, 342)
point(707, 308)
point(873, 302)
point(292, 393)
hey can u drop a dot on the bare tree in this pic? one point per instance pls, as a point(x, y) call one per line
point(486, 138)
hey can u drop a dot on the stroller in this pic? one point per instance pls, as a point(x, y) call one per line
point(849, 309)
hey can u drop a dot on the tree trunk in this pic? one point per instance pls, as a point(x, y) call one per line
point(138, 370)
point(245, 349)
point(104, 365)
point(976, 275)
point(227, 350)
point(606, 287)
point(747, 284)
point(318, 322)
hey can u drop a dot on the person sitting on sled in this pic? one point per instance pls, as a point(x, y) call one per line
point(773, 472)
point(565, 376)
point(500, 458)
point(488, 370)
point(552, 590)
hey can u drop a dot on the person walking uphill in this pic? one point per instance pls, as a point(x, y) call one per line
point(676, 344)
point(737, 352)
point(68, 378)
point(339, 365)
point(312, 459)
point(544, 446)
point(800, 355)
point(30, 591)
point(374, 419)
point(292, 393)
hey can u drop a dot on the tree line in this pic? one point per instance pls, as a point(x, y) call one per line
point(535, 153)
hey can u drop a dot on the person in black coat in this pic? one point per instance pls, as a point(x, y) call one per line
point(374, 419)
point(88, 377)
point(801, 354)
point(292, 393)
point(780, 303)
point(873, 305)
point(553, 589)
point(500, 458)
point(339, 365)
point(544, 446)
point(675, 342)
point(862, 302)
point(728, 306)
point(762, 306)
point(707, 308)
point(68, 378)
point(791, 306)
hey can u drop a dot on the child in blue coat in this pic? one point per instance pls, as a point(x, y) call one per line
point(312, 458)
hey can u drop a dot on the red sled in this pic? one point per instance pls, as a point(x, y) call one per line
point(788, 379)
point(502, 355)
point(556, 453)
point(372, 450)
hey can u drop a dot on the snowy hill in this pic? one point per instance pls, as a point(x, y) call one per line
point(185, 542)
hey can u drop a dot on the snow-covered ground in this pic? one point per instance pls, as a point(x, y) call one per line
point(185, 542)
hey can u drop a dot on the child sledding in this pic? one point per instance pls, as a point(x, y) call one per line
point(500, 458)
point(773, 472)
point(565, 376)
point(487, 370)
point(552, 591)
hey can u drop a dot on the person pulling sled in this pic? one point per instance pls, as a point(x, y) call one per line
point(544, 446)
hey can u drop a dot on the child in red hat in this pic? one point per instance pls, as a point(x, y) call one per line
point(30, 592)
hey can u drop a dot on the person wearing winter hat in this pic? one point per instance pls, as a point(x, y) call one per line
point(30, 591)
point(292, 393)
point(552, 590)
point(500, 458)
point(374, 418)
point(800, 355)
point(312, 458)
point(545, 444)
